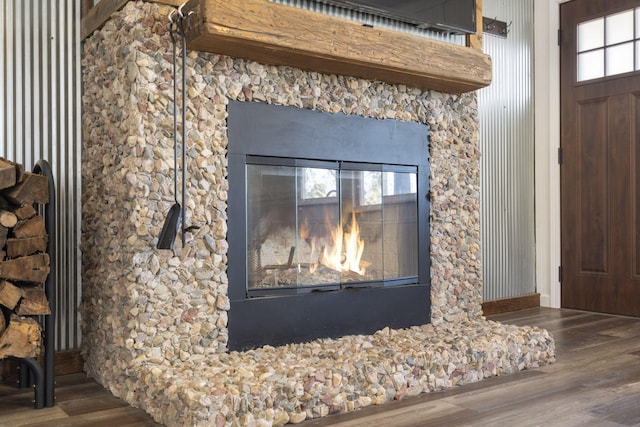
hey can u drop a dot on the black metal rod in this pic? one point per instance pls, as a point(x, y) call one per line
point(42, 167)
point(175, 115)
point(169, 231)
point(184, 123)
point(23, 375)
point(37, 380)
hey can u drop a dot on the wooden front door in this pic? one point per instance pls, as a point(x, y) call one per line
point(600, 165)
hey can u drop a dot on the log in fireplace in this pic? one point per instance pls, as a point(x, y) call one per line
point(328, 224)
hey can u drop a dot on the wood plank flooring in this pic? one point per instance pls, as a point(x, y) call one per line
point(80, 401)
point(595, 382)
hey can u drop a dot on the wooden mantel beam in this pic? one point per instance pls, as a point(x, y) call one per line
point(284, 35)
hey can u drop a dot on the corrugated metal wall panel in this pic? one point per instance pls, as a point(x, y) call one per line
point(365, 18)
point(507, 143)
point(40, 99)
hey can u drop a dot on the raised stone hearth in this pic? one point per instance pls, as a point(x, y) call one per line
point(276, 385)
point(155, 322)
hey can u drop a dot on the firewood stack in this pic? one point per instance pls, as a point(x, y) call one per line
point(24, 263)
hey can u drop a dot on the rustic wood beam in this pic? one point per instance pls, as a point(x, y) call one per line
point(85, 7)
point(284, 35)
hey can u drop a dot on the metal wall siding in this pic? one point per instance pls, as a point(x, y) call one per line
point(365, 18)
point(506, 110)
point(40, 99)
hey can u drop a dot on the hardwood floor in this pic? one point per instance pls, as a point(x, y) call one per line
point(80, 401)
point(595, 382)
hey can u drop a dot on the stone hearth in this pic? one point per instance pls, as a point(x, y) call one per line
point(155, 323)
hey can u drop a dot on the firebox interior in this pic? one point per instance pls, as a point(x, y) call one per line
point(329, 225)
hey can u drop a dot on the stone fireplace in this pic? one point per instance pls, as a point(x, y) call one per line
point(158, 326)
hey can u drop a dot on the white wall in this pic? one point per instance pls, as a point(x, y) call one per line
point(547, 141)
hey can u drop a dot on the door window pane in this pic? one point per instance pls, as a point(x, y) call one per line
point(608, 46)
point(591, 35)
point(619, 27)
point(591, 65)
point(619, 59)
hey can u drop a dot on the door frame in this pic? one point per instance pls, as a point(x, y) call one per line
point(547, 142)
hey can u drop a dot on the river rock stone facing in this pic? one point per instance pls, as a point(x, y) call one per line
point(273, 386)
point(155, 322)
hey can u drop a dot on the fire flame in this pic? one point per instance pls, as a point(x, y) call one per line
point(346, 251)
point(343, 250)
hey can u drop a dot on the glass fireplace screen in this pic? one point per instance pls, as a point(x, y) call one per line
point(324, 224)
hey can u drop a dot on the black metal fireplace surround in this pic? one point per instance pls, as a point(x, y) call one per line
point(303, 182)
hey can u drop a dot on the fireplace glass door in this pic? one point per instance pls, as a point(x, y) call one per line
point(323, 225)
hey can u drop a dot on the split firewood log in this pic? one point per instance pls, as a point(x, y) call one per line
point(34, 302)
point(23, 238)
point(34, 188)
point(32, 269)
point(10, 173)
point(9, 294)
point(8, 219)
point(26, 246)
point(21, 338)
point(32, 227)
point(25, 212)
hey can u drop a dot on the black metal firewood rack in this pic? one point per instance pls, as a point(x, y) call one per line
point(32, 374)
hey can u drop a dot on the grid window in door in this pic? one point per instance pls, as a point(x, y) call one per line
point(609, 45)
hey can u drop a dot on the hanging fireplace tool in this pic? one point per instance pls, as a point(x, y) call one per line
point(174, 216)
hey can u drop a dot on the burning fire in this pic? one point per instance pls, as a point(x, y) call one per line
point(343, 250)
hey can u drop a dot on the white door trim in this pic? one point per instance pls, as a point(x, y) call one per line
point(547, 142)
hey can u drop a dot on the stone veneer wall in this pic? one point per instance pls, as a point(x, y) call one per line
point(147, 306)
